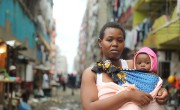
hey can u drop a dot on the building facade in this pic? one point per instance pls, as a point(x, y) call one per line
point(26, 28)
point(155, 24)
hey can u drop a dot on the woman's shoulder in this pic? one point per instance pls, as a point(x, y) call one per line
point(88, 71)
point(88, 75)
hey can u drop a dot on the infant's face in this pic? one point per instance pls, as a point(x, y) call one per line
point(143, 62)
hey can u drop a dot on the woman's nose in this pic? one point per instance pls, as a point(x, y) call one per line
point(115, 42)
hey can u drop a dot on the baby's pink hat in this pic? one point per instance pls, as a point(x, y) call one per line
point(152, 55)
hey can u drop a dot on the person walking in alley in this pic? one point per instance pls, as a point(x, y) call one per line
point(46, 84)
point(24, 102)
point(72, 82)
point(63, 82)
point(111, 42)
point(12, 73)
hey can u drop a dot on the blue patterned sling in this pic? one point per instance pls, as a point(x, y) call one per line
point(143, 80)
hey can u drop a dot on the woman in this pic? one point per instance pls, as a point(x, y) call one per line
point(111, 42)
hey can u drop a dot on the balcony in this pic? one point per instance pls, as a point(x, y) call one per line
point(166, 36)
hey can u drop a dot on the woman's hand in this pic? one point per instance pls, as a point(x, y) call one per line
point(162, 96)
point(140, 98)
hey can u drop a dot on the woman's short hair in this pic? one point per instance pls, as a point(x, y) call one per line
point(111, 25)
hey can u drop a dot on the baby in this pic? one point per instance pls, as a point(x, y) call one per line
point(146, 60)
point(144, 78)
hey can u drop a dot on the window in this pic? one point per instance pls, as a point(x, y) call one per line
point(168, 55)
point(164, 69)
point(179, 55)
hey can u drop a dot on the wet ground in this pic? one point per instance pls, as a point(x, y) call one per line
point(60, 100)
point(64, 100)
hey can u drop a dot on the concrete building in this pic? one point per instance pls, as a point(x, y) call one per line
point(157, 28)
point(88, 50)
point(26, 28)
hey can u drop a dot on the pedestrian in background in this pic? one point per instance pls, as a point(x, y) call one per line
point(63, 82)
point(12, 73)
point(72, 82)
point(46, 84)
point(24, 105)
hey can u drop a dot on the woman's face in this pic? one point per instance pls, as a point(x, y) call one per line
point(112, 44)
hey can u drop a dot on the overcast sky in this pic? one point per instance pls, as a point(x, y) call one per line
point(68, 15)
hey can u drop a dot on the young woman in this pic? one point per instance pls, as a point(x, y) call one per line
point(111, 42)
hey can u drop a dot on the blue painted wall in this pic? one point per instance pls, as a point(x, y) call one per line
point(22, 27)
point(39, 55)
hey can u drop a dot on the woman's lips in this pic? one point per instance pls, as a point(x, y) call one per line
point(114, 51)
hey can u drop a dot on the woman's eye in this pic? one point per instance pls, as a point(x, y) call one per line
point(120, 40)
point(109, 40)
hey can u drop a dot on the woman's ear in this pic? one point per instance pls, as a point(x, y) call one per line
point(100, 47)
point(99, 42)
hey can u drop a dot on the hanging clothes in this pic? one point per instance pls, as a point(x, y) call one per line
point(129, 41)
point(146, 26)
point(178, 7)
point(140, 33)
point(115, 10)
point(134, 34)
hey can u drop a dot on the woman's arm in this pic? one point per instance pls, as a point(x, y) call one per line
point(90, 101)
